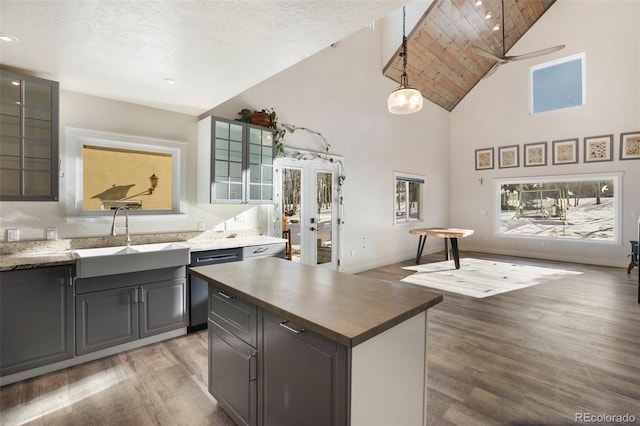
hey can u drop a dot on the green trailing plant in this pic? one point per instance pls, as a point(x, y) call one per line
point(279, 131)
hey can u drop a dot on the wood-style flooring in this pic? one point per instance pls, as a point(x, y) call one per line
point(537, 356)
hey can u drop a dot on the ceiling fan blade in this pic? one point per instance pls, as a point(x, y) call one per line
point(535, 54)
point(493, 69)
point(485, 54)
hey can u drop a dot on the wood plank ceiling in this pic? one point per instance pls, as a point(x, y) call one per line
point(441, 61)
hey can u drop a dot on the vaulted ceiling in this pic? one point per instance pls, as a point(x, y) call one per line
point(442, 63)
point(210, 50)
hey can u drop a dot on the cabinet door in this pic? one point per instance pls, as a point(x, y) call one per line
point(260, 165)
point(29, 138)
point(106, 318)
point(36, 318)
point(303, 376)
point(233, 375)
point(163, 307)
point(227, 160)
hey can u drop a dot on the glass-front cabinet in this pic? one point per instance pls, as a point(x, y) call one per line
point(260, 165)
point(28, 138)
point(235, 162)
point(227, 162)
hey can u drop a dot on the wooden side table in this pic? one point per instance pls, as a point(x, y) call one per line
point(448, 234)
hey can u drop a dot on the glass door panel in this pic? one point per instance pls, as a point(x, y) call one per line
point(292, 208)
point(324, 218)
point(309, 211)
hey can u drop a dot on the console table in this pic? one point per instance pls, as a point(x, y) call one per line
point(448, 234)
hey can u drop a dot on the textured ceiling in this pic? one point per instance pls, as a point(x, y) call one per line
point(213, 49)
point(442, 62)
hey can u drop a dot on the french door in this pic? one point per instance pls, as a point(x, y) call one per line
point(309, 210)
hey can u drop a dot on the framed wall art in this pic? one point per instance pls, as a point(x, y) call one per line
point(508, 156)
point(598, 148)
point(630, 146)
point(535, 154)
point(484, 159)
point(565, 151)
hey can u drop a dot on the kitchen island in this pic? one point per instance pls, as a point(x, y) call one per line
point(297, 344)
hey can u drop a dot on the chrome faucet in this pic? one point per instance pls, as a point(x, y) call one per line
point(126, 224)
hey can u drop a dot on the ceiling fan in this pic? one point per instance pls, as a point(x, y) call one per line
point(504, 59)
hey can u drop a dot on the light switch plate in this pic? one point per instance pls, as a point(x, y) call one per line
point(13, 235)
point(200, 226)
point(52, 233)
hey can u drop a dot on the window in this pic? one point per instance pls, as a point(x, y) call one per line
point(581, 207)
point(108, 170)
point(558, 84)
point(408, 197)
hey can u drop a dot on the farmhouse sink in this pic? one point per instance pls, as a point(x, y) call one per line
point(97, 262)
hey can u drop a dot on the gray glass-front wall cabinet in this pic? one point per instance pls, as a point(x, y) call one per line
point(235, 162)
point(28, 138)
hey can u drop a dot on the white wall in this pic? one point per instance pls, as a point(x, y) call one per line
point(341, 93)
point(496, 114)
point(89, 112)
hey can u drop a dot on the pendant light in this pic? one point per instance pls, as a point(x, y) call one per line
point(405, 99)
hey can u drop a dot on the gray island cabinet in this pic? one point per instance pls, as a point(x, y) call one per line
point(291, 344)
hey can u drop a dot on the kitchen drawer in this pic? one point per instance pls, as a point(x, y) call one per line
point(263, 250)
point(234, 314)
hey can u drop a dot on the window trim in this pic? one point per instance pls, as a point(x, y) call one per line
point(409, 177)
point(582, 57)
point(76, 138)
point(617, 209)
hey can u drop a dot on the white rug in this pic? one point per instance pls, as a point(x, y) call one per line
point(482, 278)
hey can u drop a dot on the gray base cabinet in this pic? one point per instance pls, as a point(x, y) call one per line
point(233, 375)
point(303, 376)
point(106, 318)
point(267, 371)
point(36, 317)
point(163, 307)
point(116, 309)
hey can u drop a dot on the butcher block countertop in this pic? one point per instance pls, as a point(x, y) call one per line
point(345, 308)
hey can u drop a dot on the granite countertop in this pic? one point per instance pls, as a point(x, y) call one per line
point(35, 259)
point(348, 309)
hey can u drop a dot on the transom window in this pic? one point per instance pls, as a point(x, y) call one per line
point(558, 84)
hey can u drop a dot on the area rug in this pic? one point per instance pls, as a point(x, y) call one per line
point(482, 278)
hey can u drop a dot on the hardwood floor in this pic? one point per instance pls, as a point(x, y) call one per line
point(536, 356)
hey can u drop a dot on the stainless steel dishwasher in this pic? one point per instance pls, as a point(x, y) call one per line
point(198, 293)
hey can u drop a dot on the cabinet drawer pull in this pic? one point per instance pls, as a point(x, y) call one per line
point(283, 324)
point(226, 295)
